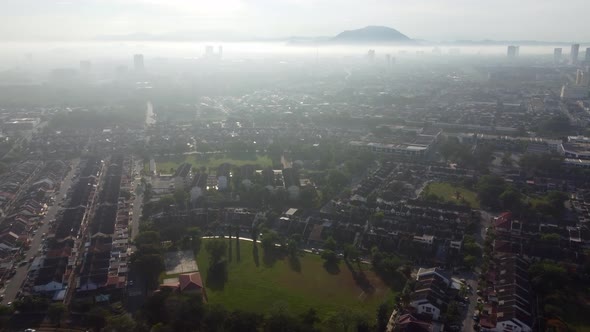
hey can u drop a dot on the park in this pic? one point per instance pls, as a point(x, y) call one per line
point(451, 193)
point(255, 281)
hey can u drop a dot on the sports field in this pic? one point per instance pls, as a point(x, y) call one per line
point(452, 193)
point(256, 282)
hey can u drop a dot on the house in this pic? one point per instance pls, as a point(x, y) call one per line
point(424, 274)
point(186, 283)
point(411, 323)
point(513, 319)
point(430, 297)
point(190, 282)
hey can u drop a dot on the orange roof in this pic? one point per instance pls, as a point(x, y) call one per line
point(190, 280)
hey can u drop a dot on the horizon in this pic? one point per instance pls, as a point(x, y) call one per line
point(233, 20)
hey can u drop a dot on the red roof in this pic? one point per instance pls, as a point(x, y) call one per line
point(503, 221)
point(190, 281)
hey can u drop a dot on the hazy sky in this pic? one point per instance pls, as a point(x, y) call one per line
point(550, 20)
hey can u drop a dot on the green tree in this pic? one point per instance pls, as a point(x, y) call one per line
point(269, 239)
point(489, 189)
point(216, 249)
point(214, 319)
point(149, 266)
point(56, 312)
point(330, 244)
point(119, 323)
point(382, 317)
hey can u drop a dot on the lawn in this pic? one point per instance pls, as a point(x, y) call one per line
point(213, 161)
point(260, 284)
point(447, 192)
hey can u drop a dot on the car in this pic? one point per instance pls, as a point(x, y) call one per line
point(131, 282)
point(30, 330)
point(9, 303)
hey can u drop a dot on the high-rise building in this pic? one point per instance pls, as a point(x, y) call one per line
point(513, 51)
point(587, 57)
point(138, 62)
point(574, 53)
point(557, 54)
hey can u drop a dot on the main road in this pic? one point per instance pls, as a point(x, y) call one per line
point(14, 285)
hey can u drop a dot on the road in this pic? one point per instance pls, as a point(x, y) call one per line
point(14, 285)
point(138, 202)
point(471, 279)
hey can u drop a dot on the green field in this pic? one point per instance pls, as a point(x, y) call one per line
point(260, 284)
point(212, 161)
point(447, 192)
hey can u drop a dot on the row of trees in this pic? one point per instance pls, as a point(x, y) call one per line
point(167, 311)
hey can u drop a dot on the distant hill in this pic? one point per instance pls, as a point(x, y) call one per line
point(371, 34)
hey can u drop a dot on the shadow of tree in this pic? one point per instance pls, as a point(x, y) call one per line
point(238, 256)
point(255, 255)
point(332, 267)
point(217, 276)
point(271, 256)
point(360, 278)
point(230, 251)
point(295, 263)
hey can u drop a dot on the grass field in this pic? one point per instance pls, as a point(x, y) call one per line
point(447, 192)
point(212, 161)
point(260, 283)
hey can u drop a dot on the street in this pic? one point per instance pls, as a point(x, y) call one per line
point(14, 284)
point(471, 279)
point(138, 202)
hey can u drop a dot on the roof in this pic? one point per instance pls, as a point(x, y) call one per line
point(291, 212)
point(409, 323)
point(190, 281)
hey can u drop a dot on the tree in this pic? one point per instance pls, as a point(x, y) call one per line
point(309, 319)
point(148, 241)
point(56, 312)
point(308, 197)
point(119, 323)
point(149, 266)
point(330, 257)
point(281, 320)
point(351, 253)
point(241, 321)
point(336, 180)
point(511, 200)
point(269, 239)
point(217, 250)
point(382, 317)
point(330, 244)
point(489, 189)
point(469, 261)
point(214, 318)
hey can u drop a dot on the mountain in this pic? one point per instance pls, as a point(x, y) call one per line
point(371, 34)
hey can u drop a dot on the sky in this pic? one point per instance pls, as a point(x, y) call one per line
point(435, 20)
